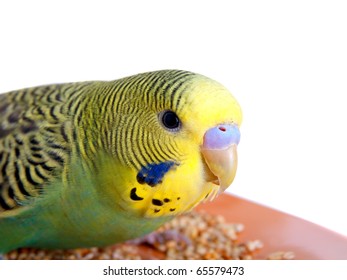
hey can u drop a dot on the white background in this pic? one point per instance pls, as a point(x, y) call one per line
point(285, 61)
point(196, 269)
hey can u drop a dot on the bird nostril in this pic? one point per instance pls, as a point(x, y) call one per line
point(221, 137)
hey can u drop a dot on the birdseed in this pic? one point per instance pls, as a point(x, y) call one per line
point(192, 236)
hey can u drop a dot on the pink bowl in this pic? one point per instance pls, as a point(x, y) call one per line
point(279, 231)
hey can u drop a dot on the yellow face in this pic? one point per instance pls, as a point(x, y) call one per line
point(161, 170)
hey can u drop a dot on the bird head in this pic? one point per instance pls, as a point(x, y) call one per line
point(177, 133)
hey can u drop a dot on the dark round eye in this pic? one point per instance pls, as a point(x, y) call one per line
point(170, 120)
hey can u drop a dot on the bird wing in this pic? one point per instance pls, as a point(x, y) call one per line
point(34, 142)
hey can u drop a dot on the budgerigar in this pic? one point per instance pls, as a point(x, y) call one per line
point(96, 163)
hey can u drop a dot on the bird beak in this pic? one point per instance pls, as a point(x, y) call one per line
point(219, 150)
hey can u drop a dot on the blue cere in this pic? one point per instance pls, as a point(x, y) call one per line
point(152, 174)
point(221, 136)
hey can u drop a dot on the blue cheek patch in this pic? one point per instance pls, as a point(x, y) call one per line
point(153, 173)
